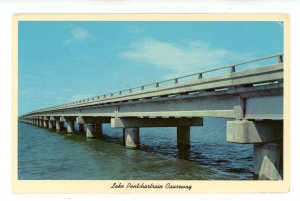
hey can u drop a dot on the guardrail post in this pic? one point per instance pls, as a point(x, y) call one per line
point(232, 69)
point(200, 76)
point(280, 58)
point(157, 85)
point(175, 81)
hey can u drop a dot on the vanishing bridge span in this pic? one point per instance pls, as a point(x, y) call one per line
point(251, 99)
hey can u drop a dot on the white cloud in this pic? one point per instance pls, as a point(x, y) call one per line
point(77, 34)
point(183, 57)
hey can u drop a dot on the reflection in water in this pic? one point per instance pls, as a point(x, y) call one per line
point(184, 152)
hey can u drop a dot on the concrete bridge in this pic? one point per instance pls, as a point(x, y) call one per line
point(251, 99)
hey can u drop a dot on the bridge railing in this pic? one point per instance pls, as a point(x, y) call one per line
point(172, 81)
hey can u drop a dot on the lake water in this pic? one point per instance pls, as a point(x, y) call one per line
point(45, 154)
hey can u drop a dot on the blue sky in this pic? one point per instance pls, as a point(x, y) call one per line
point(66, 61)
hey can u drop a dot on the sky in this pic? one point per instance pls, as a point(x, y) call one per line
point(63, 61)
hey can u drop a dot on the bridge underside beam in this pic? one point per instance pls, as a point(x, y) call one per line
point(155, 122)
point(247, 132)
point(193, 106)
point(67, 119)
point(91, 120)
point(268, 107)
point(222, 105)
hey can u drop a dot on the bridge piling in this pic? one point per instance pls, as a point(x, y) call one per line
point(45, 123)
point(80, 127)
point(50, 124)
point(183, 137)
point(58, 125)
point(93, 125)
point(131, 127)
point(132, 137)
point(37, 122)
point(98, 128)
point(124, 138)
point(268, 161)
point(93, 130)
point(70, 123)
point(70, 126)
point(90, 130)
point(266, 137)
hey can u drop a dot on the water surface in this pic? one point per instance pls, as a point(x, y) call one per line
point(45, 154)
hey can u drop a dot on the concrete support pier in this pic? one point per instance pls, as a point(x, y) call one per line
point(70, 126)
point(45, 123)
point(90, 130)
point(266, 137)
point(50, 124)
point(124, 138)
point(183, 137)
point(70, 123)
point(81, 127)
point(95, 122)
point(59, 125)
point(132, 137)
point(98, 128)
point(268, 161)
point(93, 130)
point(131, 127)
